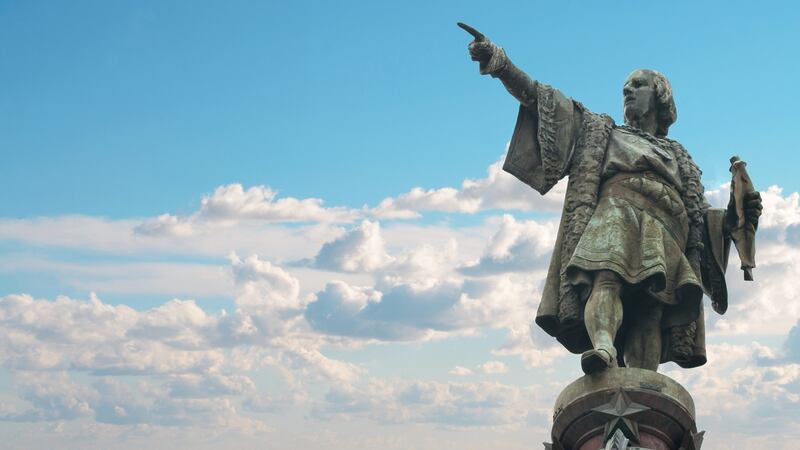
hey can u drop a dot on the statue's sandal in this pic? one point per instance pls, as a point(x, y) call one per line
point(596, 360)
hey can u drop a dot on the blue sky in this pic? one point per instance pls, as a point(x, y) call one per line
point(225, 224)
point(157, 101)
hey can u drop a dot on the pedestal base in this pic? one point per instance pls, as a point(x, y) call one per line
point(623, 408)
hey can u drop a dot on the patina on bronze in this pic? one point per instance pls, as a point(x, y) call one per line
point(638, 245)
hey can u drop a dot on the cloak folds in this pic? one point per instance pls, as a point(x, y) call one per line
point(559, 137)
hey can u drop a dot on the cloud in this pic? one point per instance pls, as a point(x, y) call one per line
point(535, 348)
point(231, 204)
point(282, 401)
point(493, 368)
point(209, 385)
point(456, 404)
point(498, 190)
point(402, 313)
point(105, 237)
point(361, 249)
point(180, 365)
point(176, 338)
point(461, 371)
point(517, 246)
point(734, 396)
point(788, 354)
point(263, 285)
point(409, 310)
point(53, 398)
point(165, 225)
point(771, 303)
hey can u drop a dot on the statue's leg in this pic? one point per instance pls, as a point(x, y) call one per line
point(603, 317)
point(643, 340)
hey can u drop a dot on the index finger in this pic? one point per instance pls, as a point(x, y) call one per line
point(475, 33)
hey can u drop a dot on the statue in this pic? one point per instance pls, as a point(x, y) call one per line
point(638, 245)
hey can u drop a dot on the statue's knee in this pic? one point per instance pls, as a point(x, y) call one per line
point(606, 280)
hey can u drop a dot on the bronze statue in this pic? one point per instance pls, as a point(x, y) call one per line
point(638, 244)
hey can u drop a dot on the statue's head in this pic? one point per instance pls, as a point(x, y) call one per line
point(648, 92)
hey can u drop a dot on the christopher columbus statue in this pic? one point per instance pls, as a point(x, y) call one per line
point(638, 244)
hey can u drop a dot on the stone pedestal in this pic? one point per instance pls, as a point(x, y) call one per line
point(624, 408)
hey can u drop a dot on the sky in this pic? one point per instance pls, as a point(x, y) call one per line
point(285, 225)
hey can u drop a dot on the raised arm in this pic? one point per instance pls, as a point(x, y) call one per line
point(548, 124)
point(494, 62)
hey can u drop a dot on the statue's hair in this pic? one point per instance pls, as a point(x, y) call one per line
point(666, 112)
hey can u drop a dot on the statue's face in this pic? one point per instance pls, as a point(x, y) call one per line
point(638, 95)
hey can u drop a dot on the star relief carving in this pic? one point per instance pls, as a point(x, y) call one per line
point(618, 410)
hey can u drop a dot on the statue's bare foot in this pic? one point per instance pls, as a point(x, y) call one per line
point(596, 360)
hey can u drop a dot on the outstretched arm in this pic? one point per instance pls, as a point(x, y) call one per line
point(548, 123)
point(494, 62)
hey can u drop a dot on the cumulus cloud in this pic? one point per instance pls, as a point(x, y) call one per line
point(402, 313)
point(282, 401)
point(232, 203)
point(493, 367)
point(263, 285)
point(735, 396)
point(188, 362)
point(193, 385)
point(529, 343)
point(191, 351)
point(361, 249)
point(53, 398)
point(456, 404)
point(461, 371)
point(419, 311)
point(165, 224)
point(517, 246)
point(392, 282)
point(771, 303)
point(498, 190)
point(788, 354)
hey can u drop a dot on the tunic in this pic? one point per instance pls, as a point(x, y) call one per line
point(625, 211)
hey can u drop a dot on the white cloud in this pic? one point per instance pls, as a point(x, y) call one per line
point(779, 211)
point(535, 348)
point(493, 367)
point(205, 385)
point(499, 190)
point(176, 338)
point(53, 398)
point(455, 404)
point(461, 371)
point(180, 365)
point(166, 224)
point(402, 313)
point(282, 401)
point(516, 246)
point(263, 285)
point(231, 204)
point(409, 310)
point(741, 404)
point(118, 237)
point(361, 249)
point(718, 198)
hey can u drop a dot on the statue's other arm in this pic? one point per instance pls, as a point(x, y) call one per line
point(719, 223)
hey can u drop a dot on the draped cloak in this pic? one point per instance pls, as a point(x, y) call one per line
point(559, 137)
